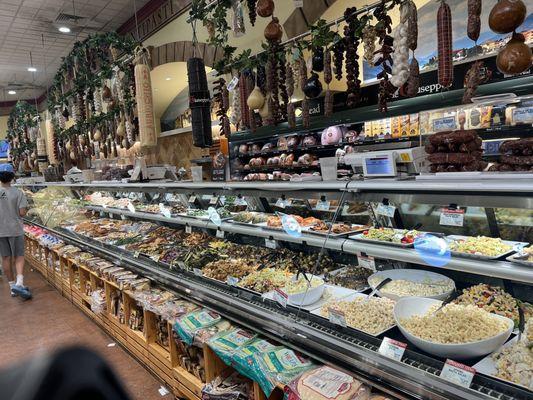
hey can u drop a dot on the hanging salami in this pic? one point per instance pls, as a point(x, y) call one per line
point(444, 45)
point(145, 107)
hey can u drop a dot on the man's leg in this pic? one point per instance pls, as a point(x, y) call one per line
point(19, 266)
point(6, 266)
point(18, 250)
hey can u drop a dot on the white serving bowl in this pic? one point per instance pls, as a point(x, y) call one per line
point(409, 306)
point(303, 299)
point(412, 275)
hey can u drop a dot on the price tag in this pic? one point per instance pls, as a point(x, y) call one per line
point(232, 281)
point(452, 217)
point(104, 206)
point(111, 216)
point(136, 254)
point(131, 207)
point(366, 261)
point(192, 199)
point(282, 203)
point(523, 115)
point(336, 317)
point(220, 234)
point(323, 205)
point(164, 211)
point(156, 258)
point(197, 271)
point(214, 200)
point(444, 124)
point(181, 264)
point(233, 84)
point(386, 210)
point(240, 201)
point(281, 297)
point(188, 229)
point(123, 217)
point(298, 3)
point(458, 373)
point(392, 348)
point(101, 214)
point(271, 244)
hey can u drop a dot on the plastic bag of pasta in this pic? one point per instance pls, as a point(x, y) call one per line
point(240, 359)
point(232, 387)
point(225, 344)
point(190, 324)
point(279, 365)
point(326, 383)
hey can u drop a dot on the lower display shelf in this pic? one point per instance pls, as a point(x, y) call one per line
point(415, 375)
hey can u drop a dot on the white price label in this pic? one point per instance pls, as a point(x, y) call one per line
point(104, 206)
point(214, 200)
point(136, 254)
point(336, 317)
point(131, 207)
point(101, 214)
point(123, 217)
point(323, 205)
point(197, 271)
point(386, 210)
point(181, 264)
point(523, 115)
point(444, 124)
point(458, 373)
point(232, 281)
point(392, 348)
point(220, 234)
point(452, 217)
point(298, 3)
point(192, 199)
point(282, 203)
point(188, 229)
point(271, 244)
point(281, 297)
point(156, 258)
point(366, 261)
point(111, 216)
point(240, 201)
point(233, 84)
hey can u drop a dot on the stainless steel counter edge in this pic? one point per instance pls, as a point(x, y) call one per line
point(510, 185)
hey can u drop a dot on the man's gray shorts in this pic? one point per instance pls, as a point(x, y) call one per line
point(12, 246)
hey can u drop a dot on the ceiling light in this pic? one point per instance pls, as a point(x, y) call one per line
point(32, 69)
point(64, 29)
point(12, 92)
point(168, 78)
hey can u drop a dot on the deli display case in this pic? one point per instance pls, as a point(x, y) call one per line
point(348, 273)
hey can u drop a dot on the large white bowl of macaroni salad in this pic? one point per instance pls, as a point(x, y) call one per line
point(456, 331)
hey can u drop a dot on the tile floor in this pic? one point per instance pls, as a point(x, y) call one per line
point(49, 321)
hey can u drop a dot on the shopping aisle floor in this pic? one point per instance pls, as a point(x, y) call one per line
point(49, 321)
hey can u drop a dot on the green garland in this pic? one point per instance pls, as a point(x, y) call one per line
point(22, 117)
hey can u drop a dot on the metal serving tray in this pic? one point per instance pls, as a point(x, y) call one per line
point(483, 257)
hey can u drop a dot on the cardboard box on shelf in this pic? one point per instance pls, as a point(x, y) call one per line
point(413, 125)
point(395, 127)
point(404, 125)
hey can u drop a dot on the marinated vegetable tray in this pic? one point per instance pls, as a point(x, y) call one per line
point(481, 247)
point(372, 316)
point(389, 236)
point(338, 230)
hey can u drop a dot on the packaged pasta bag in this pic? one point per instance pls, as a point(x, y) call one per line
point(326, 383)
point(225, 344)
point(187, 326)
point(279, 365)
point(232, 387)
point(205, 334)
point(242, 361)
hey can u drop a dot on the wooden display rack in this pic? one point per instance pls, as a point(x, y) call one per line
point(73, 280)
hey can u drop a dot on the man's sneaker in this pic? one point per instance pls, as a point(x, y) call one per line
point(13, 294)
point(21, 291)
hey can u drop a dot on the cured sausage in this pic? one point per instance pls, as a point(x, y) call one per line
point(451, 158)
point(474, 21)
point(520, 144)
point(444, 45)
point(456, 137)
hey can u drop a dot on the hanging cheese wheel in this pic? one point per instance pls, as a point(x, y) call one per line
point(145, 108)
point(51, 142)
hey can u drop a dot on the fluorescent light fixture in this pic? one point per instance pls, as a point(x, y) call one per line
point(32, 69)
point(64, 29)
point(168, 78)
point(12, 92)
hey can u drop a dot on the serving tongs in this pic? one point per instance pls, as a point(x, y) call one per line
point(379, 286)
point(451, 297)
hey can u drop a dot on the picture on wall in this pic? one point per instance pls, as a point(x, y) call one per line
point(464, 49)
point(4, 148)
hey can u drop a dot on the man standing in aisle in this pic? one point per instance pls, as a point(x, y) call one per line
point(13, 206)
